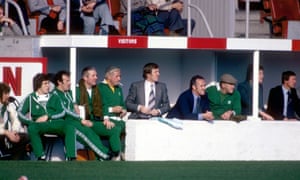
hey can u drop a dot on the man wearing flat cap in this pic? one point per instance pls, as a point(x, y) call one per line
point(224, 100)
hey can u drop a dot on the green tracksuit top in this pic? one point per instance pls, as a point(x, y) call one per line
point(60, 105)
point(111, 98)
point(30, 105)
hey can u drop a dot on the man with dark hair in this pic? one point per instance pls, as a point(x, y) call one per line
point(13, 139)
point(33, 112)
point(61, 106)
point(149, 97)
point(245, 89)
point(224, 100)
point(283, 102)
point(88, 96)
point(193, 103)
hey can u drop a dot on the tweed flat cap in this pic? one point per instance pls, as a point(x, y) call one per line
point(228, 78)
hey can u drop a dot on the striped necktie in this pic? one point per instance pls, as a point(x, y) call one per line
point(151, 102)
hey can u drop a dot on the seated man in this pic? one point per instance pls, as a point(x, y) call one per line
point(169, 14)
point(88, 95)
point(13, 139)
point(7, 25)
point(39, 121)
point(224, 100)
point(283, 102)
point(52, 15)
point(91, 12)
point(150, 17)
point(193, 103)
point(245, 90)
point(148, 98)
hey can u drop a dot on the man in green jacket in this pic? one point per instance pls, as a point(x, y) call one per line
point(33, 112)
point(113, 101)
point(224, 100)
point(61, 104)
point(88, 96)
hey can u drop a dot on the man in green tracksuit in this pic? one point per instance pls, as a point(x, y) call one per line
point(112, 96)
point(88, 96)
point(224, 100)
point(40, 121)
point(61, 104)
point(113, 101)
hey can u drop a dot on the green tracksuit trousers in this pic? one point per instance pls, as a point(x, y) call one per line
point(58, 127)
point(112, 134)
point(89, 137)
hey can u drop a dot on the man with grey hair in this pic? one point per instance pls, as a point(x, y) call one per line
point(112, 94)
point(112, 100)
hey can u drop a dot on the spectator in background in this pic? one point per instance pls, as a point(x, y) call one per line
point(149, 97)
point(13, 138)
point(15, 16)
point(283, 101)
point(135, 6)
point(224, 100)
point(150, 17)
point(91, 12)
point(52, 15)
point(170, 14)
point(193, 103)
point(246, 90)
point(8, 27)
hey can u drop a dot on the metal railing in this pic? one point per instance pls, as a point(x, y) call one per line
point(190, 5)
point(21, 17)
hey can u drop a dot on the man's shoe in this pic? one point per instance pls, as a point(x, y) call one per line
point(42, 158)
point(70, 159)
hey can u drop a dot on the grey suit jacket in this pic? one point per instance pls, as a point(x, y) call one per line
point(136, 96)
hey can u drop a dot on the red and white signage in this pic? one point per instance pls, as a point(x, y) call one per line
point(19, 72)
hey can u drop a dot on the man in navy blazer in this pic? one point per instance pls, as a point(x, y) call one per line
point(279, 99)
point(186, 106)
point(137, 101)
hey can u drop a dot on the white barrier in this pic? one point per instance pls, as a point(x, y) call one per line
point(220, 140)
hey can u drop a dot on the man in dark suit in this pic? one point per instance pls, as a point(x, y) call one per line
point(193, 103)
point(148, 98)
point(283, 102)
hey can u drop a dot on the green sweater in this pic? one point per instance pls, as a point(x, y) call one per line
point(220, 103)
point(110, 98)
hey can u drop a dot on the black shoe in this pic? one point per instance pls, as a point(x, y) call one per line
point(70, 159)
point(112, 30)
point(42, 158)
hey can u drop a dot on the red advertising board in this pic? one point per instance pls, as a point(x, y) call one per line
point(18, 73)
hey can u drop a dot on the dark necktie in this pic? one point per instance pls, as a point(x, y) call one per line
point(151, 102)
point(289, 108)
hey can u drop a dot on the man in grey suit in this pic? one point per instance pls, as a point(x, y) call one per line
point(148, 98)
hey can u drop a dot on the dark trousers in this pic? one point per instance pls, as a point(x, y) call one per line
point(172, 20)
point(17, 151)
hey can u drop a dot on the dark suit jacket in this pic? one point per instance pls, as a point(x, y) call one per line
point(276, 102)
point(183, 108)
point(136, 96)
